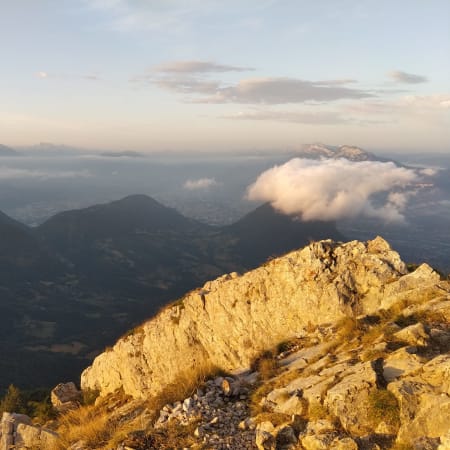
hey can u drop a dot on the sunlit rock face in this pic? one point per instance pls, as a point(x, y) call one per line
point(231, 320)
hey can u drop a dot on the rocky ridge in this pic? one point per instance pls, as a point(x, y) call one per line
point(335, 346)
point(230, 321)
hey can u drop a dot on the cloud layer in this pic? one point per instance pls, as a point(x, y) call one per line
point(10, 173)
point(335, 189)
point(303, 117)
point(200, 184)
point(195, 66)
point(264, 90)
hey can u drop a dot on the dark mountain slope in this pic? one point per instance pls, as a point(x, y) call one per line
point(265, 232)
point(119, 263)
point(134, 246)
point(22, 258)
point(130, 215)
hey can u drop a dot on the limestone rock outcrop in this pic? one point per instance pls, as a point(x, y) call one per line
point(231, 320)
point(17, 432)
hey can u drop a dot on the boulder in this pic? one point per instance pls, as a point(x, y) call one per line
point(424, 409)
point(18, 432)
point(413, 335)
point(65, 396)
point(264, 439)
point(317, 441)
point(400, 363)
point(348, 399)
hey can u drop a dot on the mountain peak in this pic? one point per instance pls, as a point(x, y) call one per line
point(350, 152)
point(120, 217)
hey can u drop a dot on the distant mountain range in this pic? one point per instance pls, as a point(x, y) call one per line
point(7, 151)
point(313, 151)
point(350, 152)
point(75, 283)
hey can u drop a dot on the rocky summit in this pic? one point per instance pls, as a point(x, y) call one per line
point(335, 346)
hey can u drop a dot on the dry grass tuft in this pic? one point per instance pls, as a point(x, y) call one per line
point(317, 411)
point(86, 423)
point(172, 436)
point(383, 407)
point(266, 365)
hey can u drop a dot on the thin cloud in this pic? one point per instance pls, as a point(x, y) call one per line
point(304, 117)
point(335, 189)
point(197, 67)
point(405, 77)
point(200, 184)
point(187, 86)
point(88, 76)
point(10, 173)
point(336, 82)
point(270, 90)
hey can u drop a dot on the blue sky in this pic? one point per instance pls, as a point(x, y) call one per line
point(210, 75)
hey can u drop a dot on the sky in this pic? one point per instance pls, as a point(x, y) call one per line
point(210, 75)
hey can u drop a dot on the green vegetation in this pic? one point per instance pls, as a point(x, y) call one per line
point(35, 403)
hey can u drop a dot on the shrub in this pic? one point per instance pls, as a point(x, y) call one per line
point(13, 401)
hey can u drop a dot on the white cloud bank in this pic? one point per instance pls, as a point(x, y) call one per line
point(199, 184)
point(335, 189)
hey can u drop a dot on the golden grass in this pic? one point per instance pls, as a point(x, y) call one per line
point(86, 423)
point(93, 423)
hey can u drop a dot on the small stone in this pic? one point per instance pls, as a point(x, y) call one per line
point(188, 404)
point(226, 387)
